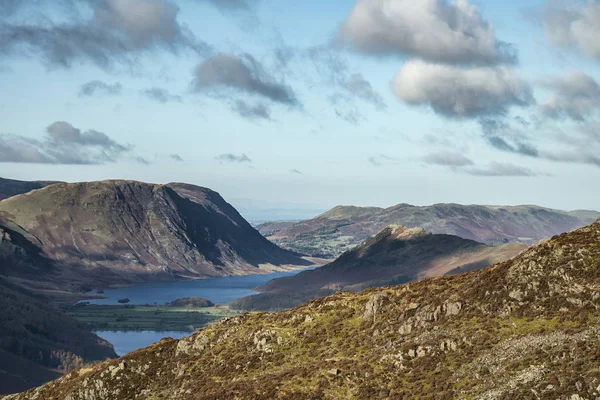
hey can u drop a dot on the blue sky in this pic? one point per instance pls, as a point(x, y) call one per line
point(289, 108)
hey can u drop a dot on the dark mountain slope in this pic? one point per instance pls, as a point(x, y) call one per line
point(132, 231)
point(11, 187)
point(38, 342)
point(341, 228)
point(395, 255)
point(528, 328)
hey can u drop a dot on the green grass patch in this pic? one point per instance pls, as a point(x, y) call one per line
point(147, 317)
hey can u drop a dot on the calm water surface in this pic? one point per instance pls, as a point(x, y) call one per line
point(217, 290)
point(125, 342)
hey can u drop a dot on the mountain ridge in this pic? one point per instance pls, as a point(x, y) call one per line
point(331, 233)
point(395, 255)
point(123, 231)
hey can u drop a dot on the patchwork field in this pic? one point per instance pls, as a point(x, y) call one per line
point(147, 317)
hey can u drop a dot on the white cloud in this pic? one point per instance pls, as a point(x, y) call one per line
point(575, 95)
point(435, 30)
point(461, 92)
point(574, 25)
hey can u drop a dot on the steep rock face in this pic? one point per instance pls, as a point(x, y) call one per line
point(525, 328)
point(133, 231)
point(341, 228)
point(395, 255)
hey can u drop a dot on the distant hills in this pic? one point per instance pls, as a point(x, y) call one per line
point(526, 328)
point(341, 228)
point(395, 255)
point(98, 233)
point(11, 187)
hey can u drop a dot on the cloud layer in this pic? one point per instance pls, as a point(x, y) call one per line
point(251, 111)
point(574, 25)
point(161, 95)
point(434, 30)
point(461, 92)
point(117, 31)
point(449, 159)
point(98, 87)
point(499, 169)
point(233, 158)
point(242, 73)
point(63, 144)
point(575, 96)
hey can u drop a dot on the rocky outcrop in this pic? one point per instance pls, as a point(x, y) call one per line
point(463, 337)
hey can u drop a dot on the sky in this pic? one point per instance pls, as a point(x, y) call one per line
point(288, 108)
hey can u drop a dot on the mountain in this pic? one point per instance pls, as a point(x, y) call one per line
point(527, 328)
point(98, 233)
point(11, 187)
point(395, 255)
point(39, 342)
point(341, 228)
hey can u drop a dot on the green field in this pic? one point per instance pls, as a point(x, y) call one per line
point(146, 317)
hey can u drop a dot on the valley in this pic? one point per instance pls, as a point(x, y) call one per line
point(526, 325)
point(299, 200)
point(146, 318)
point(129, 265)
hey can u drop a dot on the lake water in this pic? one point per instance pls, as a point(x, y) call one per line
point(125, 342)
point(217, 290)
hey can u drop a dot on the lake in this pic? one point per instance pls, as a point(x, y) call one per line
point(218, 290)
point(125, 342)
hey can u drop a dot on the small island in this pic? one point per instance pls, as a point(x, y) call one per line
point(191, 302)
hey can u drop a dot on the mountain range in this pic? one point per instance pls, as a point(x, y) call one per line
point(527, 328)
point(101, 233)
point(341, 228)
point(395, 255)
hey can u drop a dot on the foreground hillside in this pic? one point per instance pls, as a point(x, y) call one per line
point(395, 255)
point(341, 228)
point(123, 231)
point(527, 328)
